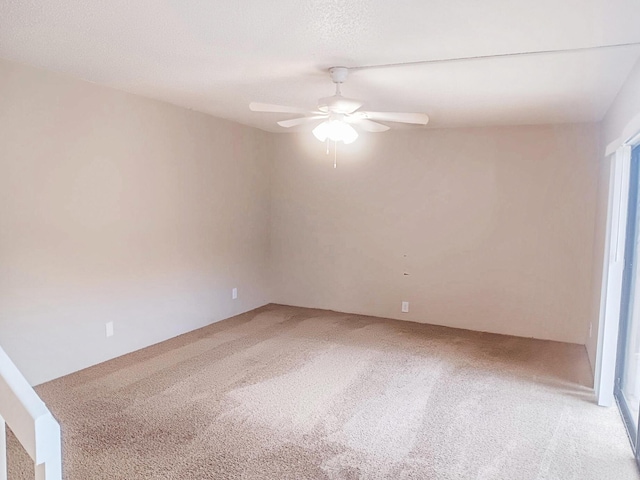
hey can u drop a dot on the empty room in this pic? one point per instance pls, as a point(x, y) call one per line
point(320, 240)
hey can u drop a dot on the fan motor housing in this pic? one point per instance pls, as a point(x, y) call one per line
point(338, 74)
point(338, 104)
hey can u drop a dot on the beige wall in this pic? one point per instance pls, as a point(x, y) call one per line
point(120, 208)
point(116, 207)
point(495, 227)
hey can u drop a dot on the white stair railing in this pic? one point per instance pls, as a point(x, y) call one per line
point(30, 421)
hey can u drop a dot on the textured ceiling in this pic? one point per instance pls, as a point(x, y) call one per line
point(216, 56)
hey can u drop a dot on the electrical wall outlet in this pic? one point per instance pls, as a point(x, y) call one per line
point(234, 293)
point(405, 307)
point(109, 329)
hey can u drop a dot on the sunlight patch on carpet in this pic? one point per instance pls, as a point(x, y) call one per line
point(296, 401)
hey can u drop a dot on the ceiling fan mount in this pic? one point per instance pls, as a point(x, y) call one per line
point(338, 74)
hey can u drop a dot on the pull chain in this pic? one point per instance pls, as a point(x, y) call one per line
point(335, 152)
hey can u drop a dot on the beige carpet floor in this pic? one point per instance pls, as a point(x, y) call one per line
point(292, 393)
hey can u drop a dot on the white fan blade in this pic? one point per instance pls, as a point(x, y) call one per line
point(367, 125)
point(271, 108)
point(294, 122)
point(415, 118)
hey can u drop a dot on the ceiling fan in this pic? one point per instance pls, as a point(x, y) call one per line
point(337, 115)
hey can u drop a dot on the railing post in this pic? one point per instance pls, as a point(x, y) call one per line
point(30, 421)
point(3, 450)
point(51, 470)
point(48, 461)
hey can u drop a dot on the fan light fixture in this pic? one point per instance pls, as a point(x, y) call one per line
point(336, 130)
